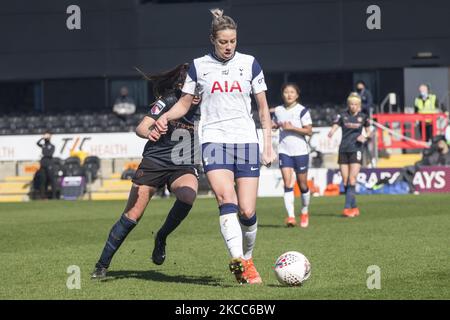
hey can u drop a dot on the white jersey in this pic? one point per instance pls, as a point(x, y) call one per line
point(291, 143)
point(225, 87)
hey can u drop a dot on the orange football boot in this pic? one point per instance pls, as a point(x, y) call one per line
point(250, 273)
point(290, 222)
point(304, 220)
point(348, 212)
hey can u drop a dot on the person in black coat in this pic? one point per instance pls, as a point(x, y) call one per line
point(45, 174)
point(366, 97)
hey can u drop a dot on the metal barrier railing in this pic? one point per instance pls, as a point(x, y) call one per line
point(407, 131)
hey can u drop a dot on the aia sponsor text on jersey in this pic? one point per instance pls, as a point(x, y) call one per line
point(225, 87)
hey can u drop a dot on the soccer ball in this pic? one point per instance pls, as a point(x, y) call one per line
point(292, 268)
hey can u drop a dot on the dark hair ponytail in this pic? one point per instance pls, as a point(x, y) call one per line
point(164, 82)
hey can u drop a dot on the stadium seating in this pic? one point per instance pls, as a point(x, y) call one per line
point(91, 167)
point(72, 167)
point(84, 122)
point(11, 124)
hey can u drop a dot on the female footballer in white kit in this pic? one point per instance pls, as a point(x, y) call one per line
point(230, 152)
point(294, 121)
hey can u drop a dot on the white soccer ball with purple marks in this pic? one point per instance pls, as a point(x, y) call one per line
point(292, 268)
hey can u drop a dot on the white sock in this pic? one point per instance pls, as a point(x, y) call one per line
point(232, 234)
point(249, 239)
point(305, 201)
point(289, 203)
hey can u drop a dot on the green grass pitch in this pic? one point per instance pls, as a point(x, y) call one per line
point(406, 236)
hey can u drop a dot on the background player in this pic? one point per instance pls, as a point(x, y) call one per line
point(293, 151)
point(158, 168)
point(230, 151)
point(352, 122)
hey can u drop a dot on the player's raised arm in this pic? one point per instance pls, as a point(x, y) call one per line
point(144, 128)
point(176, 112)
point(189, 90)
point(180, 108)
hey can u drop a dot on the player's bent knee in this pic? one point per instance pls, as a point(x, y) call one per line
point(304, 188)
point(247, 212)
point(186, 195)
point(135, 213)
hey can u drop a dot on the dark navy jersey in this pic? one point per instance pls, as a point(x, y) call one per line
point(48, 149)
point(352, 127)
point(176, 147)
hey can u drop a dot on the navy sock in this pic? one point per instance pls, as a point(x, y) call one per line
point(350, 197)
point(353, 203)
point(247, 222)
point(177, 214)
point(116, 237)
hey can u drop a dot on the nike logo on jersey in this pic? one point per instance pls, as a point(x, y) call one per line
point(217, 86)
point(204, 74)
point(253, 169)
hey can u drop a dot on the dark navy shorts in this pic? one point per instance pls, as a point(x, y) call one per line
point(241, 158)
point(153, 174)
point(350, 157)
point(298, 163)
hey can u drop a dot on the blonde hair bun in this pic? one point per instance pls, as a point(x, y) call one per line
point(220, 22)
point(217, 13)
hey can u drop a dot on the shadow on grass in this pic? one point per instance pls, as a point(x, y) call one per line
point(334, 215)
point(272, 285)
point(283, 226)
point(272, 226)
point(161, 277)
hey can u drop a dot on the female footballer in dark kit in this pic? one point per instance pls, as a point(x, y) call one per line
point(157, 169)
point(352, 123)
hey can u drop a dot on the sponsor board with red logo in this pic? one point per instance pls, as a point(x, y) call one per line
point(103, 145)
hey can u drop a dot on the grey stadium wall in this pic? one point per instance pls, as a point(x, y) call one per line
point(285, 35)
